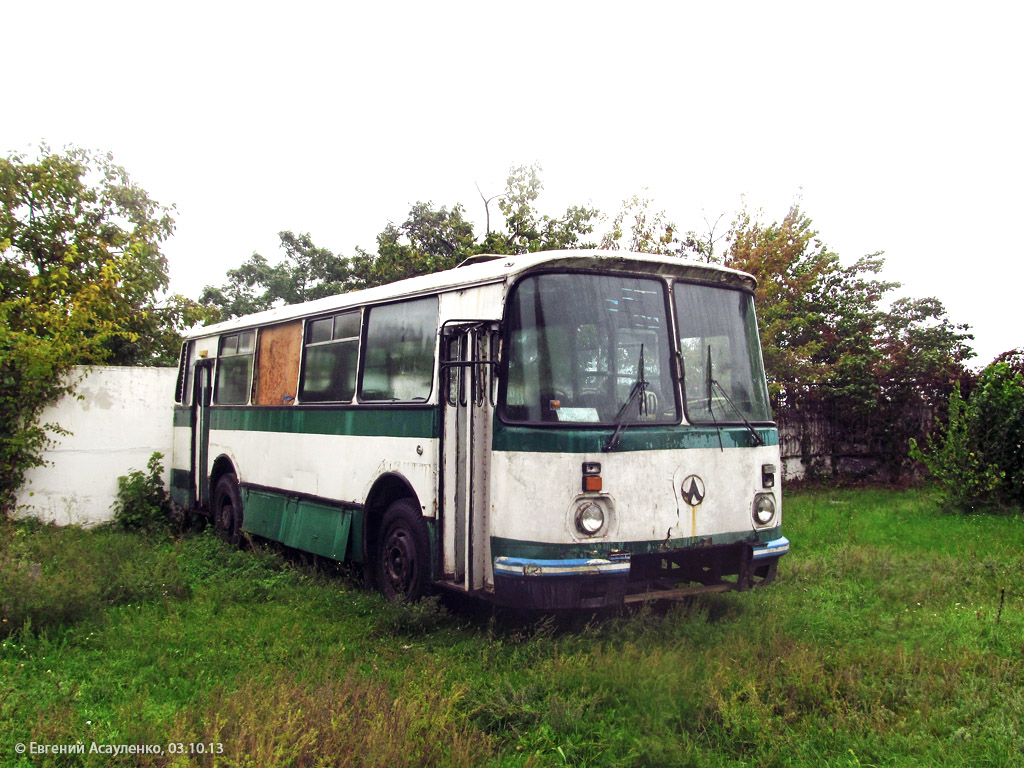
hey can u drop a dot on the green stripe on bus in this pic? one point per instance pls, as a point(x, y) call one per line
point(539, 550)
point(634, 438)
point(361, 422)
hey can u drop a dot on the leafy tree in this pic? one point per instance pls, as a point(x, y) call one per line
point(793, 270)
point(307, 272)
point(80, 273)
point(78, 211)
point(527, 231)
point(430, 239)
point(648, 231)
point(1014, 358)
point(41, 337)
point(651, 231)
point(832, 350)
point(921, 357)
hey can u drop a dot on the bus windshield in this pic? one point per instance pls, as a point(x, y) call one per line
point(579, 343)
point(721, 355)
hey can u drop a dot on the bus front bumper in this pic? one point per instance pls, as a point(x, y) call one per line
point(621, 578)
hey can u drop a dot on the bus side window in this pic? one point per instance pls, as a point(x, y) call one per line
point(277, 364)
point(234, 368)
point(329, 359)
point(400, 341)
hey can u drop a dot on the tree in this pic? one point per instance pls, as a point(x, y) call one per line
point(430, 239)
point(794, 272)
point(1014, 358)
point(648, 231)
point(79, 211)
point(80, 272)
point(41, 337)
point(526, 230)
point(921, 358)
point(877, 377)
point(307, 272)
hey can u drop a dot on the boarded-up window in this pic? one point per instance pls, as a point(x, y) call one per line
point(277, 379)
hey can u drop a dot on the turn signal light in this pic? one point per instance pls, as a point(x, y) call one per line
point(591, 477)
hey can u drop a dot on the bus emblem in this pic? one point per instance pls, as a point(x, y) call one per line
point(693, 490)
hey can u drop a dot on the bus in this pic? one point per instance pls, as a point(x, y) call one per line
point(553, 430)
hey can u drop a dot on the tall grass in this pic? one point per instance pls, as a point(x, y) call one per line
point(894, 636)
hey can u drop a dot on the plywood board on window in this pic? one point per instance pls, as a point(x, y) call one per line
point(277, 380)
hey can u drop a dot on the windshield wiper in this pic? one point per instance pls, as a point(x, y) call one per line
point(639, 388)
point(713, 382)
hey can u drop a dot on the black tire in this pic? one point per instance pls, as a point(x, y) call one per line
point(403, 555)
point(227, 509)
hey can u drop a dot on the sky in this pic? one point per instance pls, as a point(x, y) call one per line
point(897, 126)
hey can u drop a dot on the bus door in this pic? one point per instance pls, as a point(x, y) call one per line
point(469, 357)
point(202, 395)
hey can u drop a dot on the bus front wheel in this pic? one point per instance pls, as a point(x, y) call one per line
point(403, 561)
point(227, 509)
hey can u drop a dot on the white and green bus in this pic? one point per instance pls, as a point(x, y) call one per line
point(564, 429)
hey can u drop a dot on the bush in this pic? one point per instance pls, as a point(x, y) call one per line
point(979, 458)
point(142, 502)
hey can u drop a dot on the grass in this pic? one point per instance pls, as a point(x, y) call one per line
point(894, 636)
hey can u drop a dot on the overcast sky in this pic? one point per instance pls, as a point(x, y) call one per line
point(898, 126)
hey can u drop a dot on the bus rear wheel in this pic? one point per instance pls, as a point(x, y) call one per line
point(227, 509)
point(403, 560)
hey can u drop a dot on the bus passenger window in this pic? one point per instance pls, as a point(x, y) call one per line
point(330, 352)
point(400, 340)
point(234, 368)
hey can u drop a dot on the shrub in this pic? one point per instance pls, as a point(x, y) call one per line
point(979, 458)
point(142, 503)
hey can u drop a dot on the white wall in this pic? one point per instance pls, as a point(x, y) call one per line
point(123, 416)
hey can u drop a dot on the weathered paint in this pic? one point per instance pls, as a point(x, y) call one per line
point(342, 469)
point(534, 500)
point(117, 418)
point(181, 487)
point(308, 469)
point(312, 526)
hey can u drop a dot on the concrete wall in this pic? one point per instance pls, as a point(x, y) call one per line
point(123, 416)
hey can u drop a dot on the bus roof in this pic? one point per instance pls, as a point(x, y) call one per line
point(489, 268)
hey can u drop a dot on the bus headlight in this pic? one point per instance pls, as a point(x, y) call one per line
point(764, 508)
point(589, 518)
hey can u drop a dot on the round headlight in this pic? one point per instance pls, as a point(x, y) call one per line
point(589, 519)
point(764, 508)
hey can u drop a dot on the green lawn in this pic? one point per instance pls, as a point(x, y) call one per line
point(893, 636)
